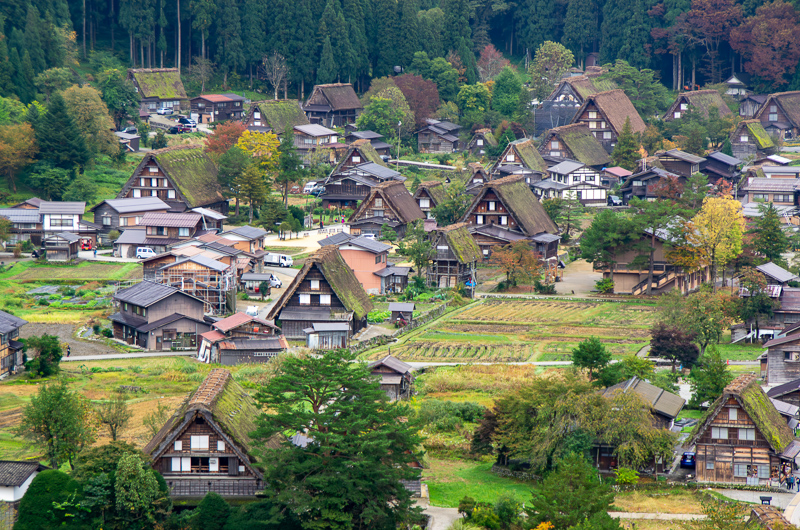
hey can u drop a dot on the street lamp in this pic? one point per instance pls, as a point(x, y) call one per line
point(397, 163)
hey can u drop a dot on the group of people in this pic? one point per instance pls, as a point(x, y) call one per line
point(789, 481)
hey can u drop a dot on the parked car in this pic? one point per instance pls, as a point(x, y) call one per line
point(317, 191)
point(368, 236)
point(275, 282)
point(178, 129)
point(308, 187)
point(613, 200)
point(252, 311)
point(145, 252)
point(187, 121)
point(130, 130)
point(281, 260)
point(688, 460)
point(164, 111)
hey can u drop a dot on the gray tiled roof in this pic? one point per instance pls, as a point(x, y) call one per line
point(146, 293)
point(16, 473)
point(686, 157)
point(392, 362)
point(401, 306)
point(566, 167)
point(200, 260)
point(132, 236)
point(249, 232)
point(660, 400)
point(336, 239)
point(139, 204)
point(9, 322)
point(314, 130)
point(776, 272)
point(21, 215)
point(174, 220)
point(368, 244)
point(62, 207)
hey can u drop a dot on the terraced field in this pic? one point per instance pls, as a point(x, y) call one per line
point(528, 330)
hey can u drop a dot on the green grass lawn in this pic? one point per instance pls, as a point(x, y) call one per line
point(451, 480)
point(84, 271)
point(740, 352)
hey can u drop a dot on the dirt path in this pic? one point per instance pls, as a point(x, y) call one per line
point(64, 334)
point(579, 278)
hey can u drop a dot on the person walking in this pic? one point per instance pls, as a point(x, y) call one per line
point(68, 350)
point(95, 252)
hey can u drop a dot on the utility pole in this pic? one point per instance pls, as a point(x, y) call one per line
point(397, 162)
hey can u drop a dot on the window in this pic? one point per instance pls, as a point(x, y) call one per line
point(555, 153)
point(504, 220)
point(492, 206)
point(378, 259)
point(733, 414)
point(592, 115)
point(773, 117)
point(424, 203)
point(744, 138)
point(257, 123)
point(213, 465)
point(589, 178)
point(142, 182)
point(315, 285)
point(257, 115)
point(602, 125)
point(760, 196)
point(324, 299)
point(576, 178)
point(607, 135)
point(378, 202)
point(637, 183)
point(154, 193)
point(183, 232)
point(747, 434)
point(305, 299)
point(170, 194)
point(719, 433)
point(356, 159)
point(137, 193)
point(153, 183)
point(763, 471)
point(308, 140)
point(739, 470)
point(773, 108)
point(510, 157)
point(486, 253)
point(709, 464)
point(554, 144)
point(220, 446)
point(677, 114)
point(199, 442)
point(106, 220)
point(479, 142)
point(782, 198)
point(377, 213)
point(593, 125)
point(178, 445)
point(478, 219)
point(153, 169)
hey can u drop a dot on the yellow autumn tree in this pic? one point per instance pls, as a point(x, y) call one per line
point(263, 147)
point(716, 232)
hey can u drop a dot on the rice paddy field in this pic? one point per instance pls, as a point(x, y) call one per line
point(526, 330)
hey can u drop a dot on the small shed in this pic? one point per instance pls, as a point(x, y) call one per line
point(395, 377)
point(327, 335)
point(402, 311)
point(130, 141)
point(62, 246)
point(252, 282)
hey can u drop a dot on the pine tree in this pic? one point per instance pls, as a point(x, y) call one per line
point(60, 141)
point(727, 148)
point(468, 60)
point(768, 237)
point(626, 152)
point(357, 36)
point(409, 29)
point(533, 21)
point(7, 88)
point(506, 91)
point(229, 38)
point(27, 83)
point(456, 22)
point(326, 73)
point(580, 27)
point(34, 44)
point(254, 32)
point(387, 38)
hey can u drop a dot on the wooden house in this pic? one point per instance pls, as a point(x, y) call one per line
point(333, 105)
point(121, 214)
point(375, 139)
point(277, 116)
point(159, 88)
point(736, 85)
point(742, 439)
point(165, 229)
point(182, 176)
point(751, 141)
point(62, 247)
point(575, 142)
point(680, 162)
point(481, 141)
point(130, 142)
point(520, 158)
point(64, 216)
point(778, 191)
point(783, 359)
point(719, 167)
point(395, 376)
point(645, 184)
point(560, 106)
point(750, 105)
point(10, 347)
point(454, 259)
point(246, 238)
point(324, 291)
point(389, 204)
point(475, 176)
point(155, 316)
point(787, 392)
point(780, 115)
point(572, 180)
point(308, 139)
point(698, 101)
point(210, 108)
point(438, 137)
point(26, 225)
point(241, 338)
point(612, 176)
point(346, 191)
point(509, 204)
point(207, 279)
point(429, 195)
point(605, 114)
point(205, 446)
point(327, 335)
point(402, 311)
point(28, 204)
point(357, 153)
point(129, 240)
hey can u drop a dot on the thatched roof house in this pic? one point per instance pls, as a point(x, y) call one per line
point(159, 87)
point(780, 114)
point(520, 157)
point(388, 203)
point(333, 105)
point(701, 101)
point(359, 152)
point(274, 115)
point(206, 445)
point(576, 142)
point(580, 87)
point(325, 290)
point(182, 176)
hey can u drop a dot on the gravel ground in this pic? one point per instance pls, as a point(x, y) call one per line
point(64, 333)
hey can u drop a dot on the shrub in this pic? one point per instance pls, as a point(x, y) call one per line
point(378, 316)
point(96, 329)
point(542, 288)
point(107, 332)
point(626, 476)
point(68, 292)
point(442, 416)
point(18, 250)
point(36, 510)
point(605, 286)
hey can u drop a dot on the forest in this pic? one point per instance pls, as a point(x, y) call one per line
point(687, 42)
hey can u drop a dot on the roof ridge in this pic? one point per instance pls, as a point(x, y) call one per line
point(210, 388)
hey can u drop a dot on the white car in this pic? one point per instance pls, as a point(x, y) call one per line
point(145, 252)
point(308, 187)
point(164, 111)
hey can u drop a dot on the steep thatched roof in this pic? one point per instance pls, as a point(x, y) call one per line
point(396, 198)
point(225, 405)
point(340, 277)
point(701, 101)
point(461, 243)
point(365, 149)
point(486, 134)
point(528, 154)
point(280, 115)
point(616, 107)
point(748, 393)
point(162, 83)
point(190, 169)
point(434, 188)
point(581, 142)
point(585, 86)
point(789, 103)
point(340, 96)
point(521, 203)
point(754, 128)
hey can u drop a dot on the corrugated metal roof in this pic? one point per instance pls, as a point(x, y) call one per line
point(330, 326)
point(200, 260)
point(401, 306)
point(9, 322)
point(786, 409)
point(141, 204)
point(313, 129)
point(174, 317)
point(776, 272)
point(376, 247)
point(336, 239)
point(249, 232)
point(146, 293)
point(785, 388)
point(725, 159)
point(62, 207)
point(20, 215)
point(67, 236)
point(392, 271)
point(172, 220)
point(211, 214)
point(132, 236)
point(566, 167)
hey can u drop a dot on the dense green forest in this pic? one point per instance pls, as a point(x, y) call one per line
point(356, 40)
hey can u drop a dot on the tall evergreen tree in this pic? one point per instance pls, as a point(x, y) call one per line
point(229, 38)
point(28, 76)
point(532, 21)
point(431, 32)
point(580, 27)
point(7, 88)
point(387, 38)
point(409, 29)
point(456, 22)
point(34, 40)
point(357, 36)
point(333, 27)
point(326, 73)
point(626, 152)
point(769, 239)
point(254, 33)
point(60, 141)
point(625, 30)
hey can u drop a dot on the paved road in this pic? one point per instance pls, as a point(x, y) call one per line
point(657, 516)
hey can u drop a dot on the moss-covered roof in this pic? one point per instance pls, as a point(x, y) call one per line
point(701, 101)
point(582, 144)
point(435, 190)
point(192, 172)
point(340, 277)
point(396, 198)
point(462, 243)
point(769, 422)
point(521, 203)
point(528, 154)
point(280, 114)
point(162, 83)
point(487, 135)
point(762, 137)
point(365, 149)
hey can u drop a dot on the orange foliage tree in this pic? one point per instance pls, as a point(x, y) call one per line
point(17, 149)
point(519, 261)
point(225, 136)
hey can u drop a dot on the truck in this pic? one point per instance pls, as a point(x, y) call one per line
point(280, 260)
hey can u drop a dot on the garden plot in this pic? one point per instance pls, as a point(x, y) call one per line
point(551, 312)
point(464, 352)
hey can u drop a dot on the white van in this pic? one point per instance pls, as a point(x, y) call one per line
point(252, 311)
point(308, 187)
point(280, 260)
point(145, 252)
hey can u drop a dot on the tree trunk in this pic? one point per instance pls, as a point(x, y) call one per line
point(652, 259)
point(251, 211)
point(130, 50)
point(141, 50)
point(680, 71)
point(179, 36)
point(203, 44)
point(285, 88)
point(251, 76)
point(694, 70)
point(237, 205)
point(84, 29)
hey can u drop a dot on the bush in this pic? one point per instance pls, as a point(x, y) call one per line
point(96, 329)
point(378, 316)
point(213, 512)
point(542, 288)
point(36, 510)
point(442, 416)
point(626, 476)
point(605, 286)
point(68, 292)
